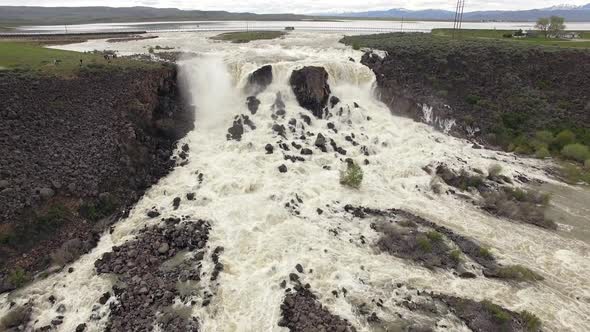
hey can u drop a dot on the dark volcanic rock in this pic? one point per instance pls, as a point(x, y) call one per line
point(153, 213)
point(269, 148)
point(148, 284)
point(301, 311)
point(253, 103)
point(306, 152)
point(487, 316)
point(306, 119)
point(417, 246)
point(334, 101)
point(279, 129)
point(310, 85)
point(473, 97)
point(237, 129)
point(69, 140)
point(259, 80)
point(283, 169)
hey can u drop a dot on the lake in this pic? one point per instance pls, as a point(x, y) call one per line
point(360, 26)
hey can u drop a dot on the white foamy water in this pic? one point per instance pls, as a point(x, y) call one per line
point(243, 195)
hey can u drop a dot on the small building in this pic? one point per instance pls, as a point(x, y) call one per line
point(569, 35)
point(289, 28)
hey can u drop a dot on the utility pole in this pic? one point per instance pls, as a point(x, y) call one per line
point(458, 22)
point(66, 28)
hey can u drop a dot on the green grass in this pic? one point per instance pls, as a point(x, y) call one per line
point(248, 36)
point(499, 34)
point(29, 57)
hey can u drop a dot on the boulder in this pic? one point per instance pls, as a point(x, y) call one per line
point(253, 103)
point(259, 80)
point(334, 101)
point(46, 193)
point(269, 149)
point(310, 85)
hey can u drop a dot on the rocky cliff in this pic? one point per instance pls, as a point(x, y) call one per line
point(76, 152)
point(490, 91)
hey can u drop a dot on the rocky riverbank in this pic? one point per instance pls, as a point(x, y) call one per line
point(77, 152)
point(487, 91)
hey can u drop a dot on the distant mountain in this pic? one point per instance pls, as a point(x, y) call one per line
point(13, 15)
point(569, 12)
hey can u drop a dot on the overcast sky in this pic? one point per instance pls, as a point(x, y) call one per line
point(299, 6)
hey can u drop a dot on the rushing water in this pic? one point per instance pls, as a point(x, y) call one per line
point(244, 196)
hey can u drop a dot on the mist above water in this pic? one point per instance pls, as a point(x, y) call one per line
point(244, 197)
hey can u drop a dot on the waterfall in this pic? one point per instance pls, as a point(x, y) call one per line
point(268, 222)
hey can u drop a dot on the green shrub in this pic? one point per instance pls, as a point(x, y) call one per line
point(408, 223)
point(524, 149)
point(531, 321)
point(54, 216)
point(434, 236)
point(564, 138)
point(18, 277)
point(587, 164)
point(424, 243)
point(456, 255)
point(542, 153)
point(96, 211)
point(501, 315)
point(353, 176)
point(472, 99)
point(577, 152)
point(485, 253)
point(356, 46)
point(517, 272)
point(574, 173)
point(495, 170)
point(544, 136)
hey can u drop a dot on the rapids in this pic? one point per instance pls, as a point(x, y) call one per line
point(243, 196)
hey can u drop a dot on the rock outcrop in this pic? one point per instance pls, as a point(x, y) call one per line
point(80, 149)
point(148, 281)
point(259, 80)
point(481, 90)
point(310, 85)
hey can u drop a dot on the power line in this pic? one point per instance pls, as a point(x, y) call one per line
point(458, 21)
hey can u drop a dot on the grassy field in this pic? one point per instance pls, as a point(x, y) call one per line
point(246, 37)
point(29, 57)
point(499, 35)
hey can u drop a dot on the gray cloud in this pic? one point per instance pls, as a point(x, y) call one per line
point(298, 6)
